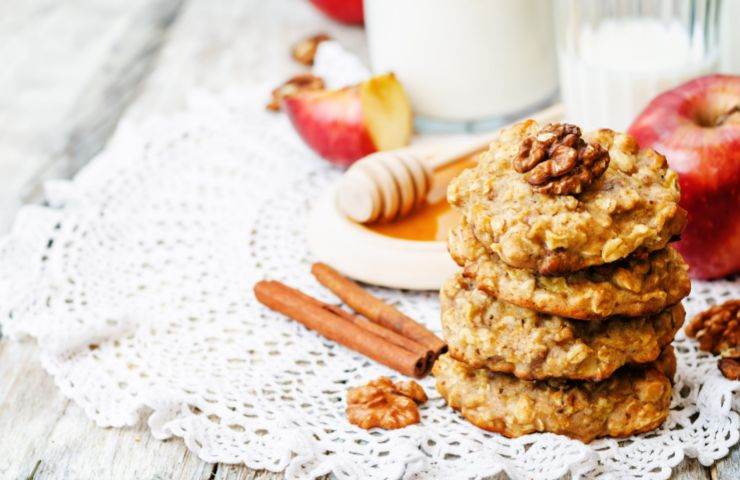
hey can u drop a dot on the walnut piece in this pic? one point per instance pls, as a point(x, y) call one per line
point(385, 404)
point(558, 161)
point(718, 331)
point(299, 83)
point(718, 328)
point(305, 51)
point(730, 365)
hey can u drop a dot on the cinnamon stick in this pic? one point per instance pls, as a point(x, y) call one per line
point(375, 309)
point(310, 313)
point(387, 334)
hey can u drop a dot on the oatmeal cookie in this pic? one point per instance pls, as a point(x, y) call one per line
point(633, 400)
point(483, 331)
point(631, 207)
point(632, 287)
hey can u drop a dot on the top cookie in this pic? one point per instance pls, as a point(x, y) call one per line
point(560, 216)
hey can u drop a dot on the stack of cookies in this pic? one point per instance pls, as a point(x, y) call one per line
point(562, 316)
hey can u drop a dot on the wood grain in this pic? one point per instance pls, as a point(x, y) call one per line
point(690, 469)
point(108, 92)
point(727, 468)
point(40, 426)
point(71, 71)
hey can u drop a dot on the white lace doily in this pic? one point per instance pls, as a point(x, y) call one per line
point(136, 281)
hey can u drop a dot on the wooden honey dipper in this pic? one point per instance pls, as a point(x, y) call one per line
point(389, 184)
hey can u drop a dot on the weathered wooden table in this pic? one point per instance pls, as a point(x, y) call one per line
point(71, 71)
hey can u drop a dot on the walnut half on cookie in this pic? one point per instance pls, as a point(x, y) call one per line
point(558, 161)
point(385, 404)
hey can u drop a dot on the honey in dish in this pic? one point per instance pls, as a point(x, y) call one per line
point(432, 220)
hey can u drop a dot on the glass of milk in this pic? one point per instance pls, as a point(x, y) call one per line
point(465, 64)
point(614, 56)
point(730, 37)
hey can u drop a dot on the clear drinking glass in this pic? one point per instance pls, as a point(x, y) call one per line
point(615, 56)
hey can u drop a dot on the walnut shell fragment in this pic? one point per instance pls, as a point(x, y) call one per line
point(302, 82)
point(718, 331)
point(305, 51)
point(385, 404)
point(557, 161)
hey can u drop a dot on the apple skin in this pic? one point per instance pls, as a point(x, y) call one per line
point(347, 124)
point(680, 124)
point(345, 11)
point(331, 123)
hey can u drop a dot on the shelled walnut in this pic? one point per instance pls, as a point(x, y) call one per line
point(718, 331)
point(558, 161)
point(385, 404)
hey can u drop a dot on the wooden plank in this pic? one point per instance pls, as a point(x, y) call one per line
point(75, 67)
point(108, 93)
point(57, 59)
point(690, 469)
point(50, 50)
point(240, 472)
point(727, 468)
point(45, 432)
point(77, 448)
point(29, 408)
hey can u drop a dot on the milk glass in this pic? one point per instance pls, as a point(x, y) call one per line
point(615, 56)
point(466, 64)
point(730, 37)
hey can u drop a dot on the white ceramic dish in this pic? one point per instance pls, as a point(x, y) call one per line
point(372, 258)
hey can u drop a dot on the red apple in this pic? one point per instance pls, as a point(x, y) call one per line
point(345, 11)
point(697, 127)
point(347, 124)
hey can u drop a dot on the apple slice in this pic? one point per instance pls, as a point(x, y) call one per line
point(347, 124)
point(697, 127)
